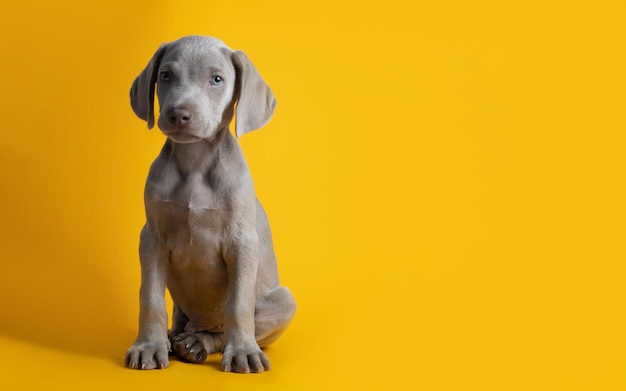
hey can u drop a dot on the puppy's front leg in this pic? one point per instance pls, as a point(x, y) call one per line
point(151, 347)
point(241, 352)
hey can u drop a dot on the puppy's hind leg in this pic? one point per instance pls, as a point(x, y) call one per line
point(272, 315)
point(195, 347)
point(192, 347)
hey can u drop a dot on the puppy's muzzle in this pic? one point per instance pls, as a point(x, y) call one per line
point(179, 117)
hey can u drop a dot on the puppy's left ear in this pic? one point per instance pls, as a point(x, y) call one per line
point(255, 100)
point(142, 90)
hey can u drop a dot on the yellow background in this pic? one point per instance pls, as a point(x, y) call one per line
point(444, 180)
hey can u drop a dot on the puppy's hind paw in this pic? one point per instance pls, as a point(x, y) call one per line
point(189, 347)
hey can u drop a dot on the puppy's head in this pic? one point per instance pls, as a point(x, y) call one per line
point(200, 84)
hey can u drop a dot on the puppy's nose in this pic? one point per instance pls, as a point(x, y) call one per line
point(179, 116)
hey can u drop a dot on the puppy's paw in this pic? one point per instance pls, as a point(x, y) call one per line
point(148, 355)
point(190, 348)
point(244, 359)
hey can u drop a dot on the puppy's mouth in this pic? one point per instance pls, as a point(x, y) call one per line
point(182, 137)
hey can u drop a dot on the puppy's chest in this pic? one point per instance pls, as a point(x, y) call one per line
point(194, 193)
point(185, 210)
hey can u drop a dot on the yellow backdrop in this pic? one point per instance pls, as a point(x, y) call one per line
point(445, 183)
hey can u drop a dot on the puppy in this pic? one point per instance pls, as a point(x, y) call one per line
point(206, 238)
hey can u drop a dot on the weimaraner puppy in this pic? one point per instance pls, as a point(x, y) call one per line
point(206, 237)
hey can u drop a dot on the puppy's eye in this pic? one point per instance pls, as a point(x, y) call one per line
point(164, 76)
point(217, 81)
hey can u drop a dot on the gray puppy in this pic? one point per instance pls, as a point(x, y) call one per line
point(206, 238)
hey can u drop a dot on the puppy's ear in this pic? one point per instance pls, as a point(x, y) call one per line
point(255, 100)
point(142, 90)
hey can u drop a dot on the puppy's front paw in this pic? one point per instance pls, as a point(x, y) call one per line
point(244, 359)
point(147, 355)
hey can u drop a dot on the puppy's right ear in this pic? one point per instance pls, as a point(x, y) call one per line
point(142, 91)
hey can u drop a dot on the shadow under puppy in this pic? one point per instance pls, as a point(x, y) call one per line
point(206, 236)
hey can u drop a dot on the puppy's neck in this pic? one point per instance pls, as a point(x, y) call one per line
point(197, 157)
